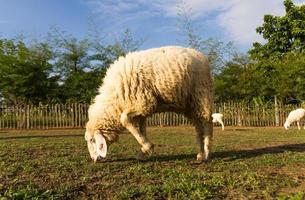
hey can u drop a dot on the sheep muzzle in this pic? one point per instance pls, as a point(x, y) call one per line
point(97, 145)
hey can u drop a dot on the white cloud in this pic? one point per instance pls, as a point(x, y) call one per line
point(236, 19)
point(199, 8)
point(117, 15)
point(107, 7)
point(299, 2)
point(241, 19)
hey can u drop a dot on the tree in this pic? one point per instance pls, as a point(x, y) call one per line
point(128, 43)
point(82, 64)
point(285, 43)
point(61, 69)
point(25, 72)
point(104, 54)
point(218, 52)
point(75, 62)
point(70, 54)
point(234, 82)
point(290, 77)
point(283, 34)
point(81, 86)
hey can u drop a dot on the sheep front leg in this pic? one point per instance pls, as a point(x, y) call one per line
point(204, 140)
point(127, 122)
point(222, 125)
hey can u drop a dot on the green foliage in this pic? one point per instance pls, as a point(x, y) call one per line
point(82, 64)
point(243, 80)
point(278, 67)
point(235, 81)
point(275, 68)
point(25, 72)
point(283, 34)
point(73, 56)
point(61, 69)
point(289, 76)
point(81, 86)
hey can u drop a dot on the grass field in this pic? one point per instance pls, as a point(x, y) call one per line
point(246, 163)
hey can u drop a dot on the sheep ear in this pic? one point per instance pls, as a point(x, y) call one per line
point(86, 136)
point(101, 145)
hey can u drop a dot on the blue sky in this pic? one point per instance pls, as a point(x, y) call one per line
point(155, 21)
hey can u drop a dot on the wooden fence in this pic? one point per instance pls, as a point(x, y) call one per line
point(75, 116)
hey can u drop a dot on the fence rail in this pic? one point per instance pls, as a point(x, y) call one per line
point(75, 116)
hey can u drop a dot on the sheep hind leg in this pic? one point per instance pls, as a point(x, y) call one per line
point(140, 135)
point(222, 125)
point(204, 139)
point(298, 123)
point(142, 125)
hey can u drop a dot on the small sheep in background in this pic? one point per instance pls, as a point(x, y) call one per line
point(217, 117)
point(295, 116)
point(145, 82)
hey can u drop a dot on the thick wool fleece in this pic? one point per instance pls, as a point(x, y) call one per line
point(155, 80)
point(294, 116)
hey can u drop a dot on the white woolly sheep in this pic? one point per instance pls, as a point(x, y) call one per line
point(217, 117)
point(145, 82)
point(295, 116)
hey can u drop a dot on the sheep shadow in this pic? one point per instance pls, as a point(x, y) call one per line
point(246, 154)
point(226, 155)
point(154, 158)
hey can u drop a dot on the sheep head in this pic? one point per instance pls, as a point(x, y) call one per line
point(97, 145)
point(286, 125)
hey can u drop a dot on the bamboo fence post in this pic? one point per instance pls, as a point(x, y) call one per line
point(1, 116)
point(28, 116)
point(238, 116)
point(276, 112)
point(74, 115)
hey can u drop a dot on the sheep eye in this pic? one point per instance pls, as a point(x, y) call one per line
point(92, 140)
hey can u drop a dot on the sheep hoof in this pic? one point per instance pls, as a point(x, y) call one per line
point(140, 155)
point(148, 148)
point(200, 158)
